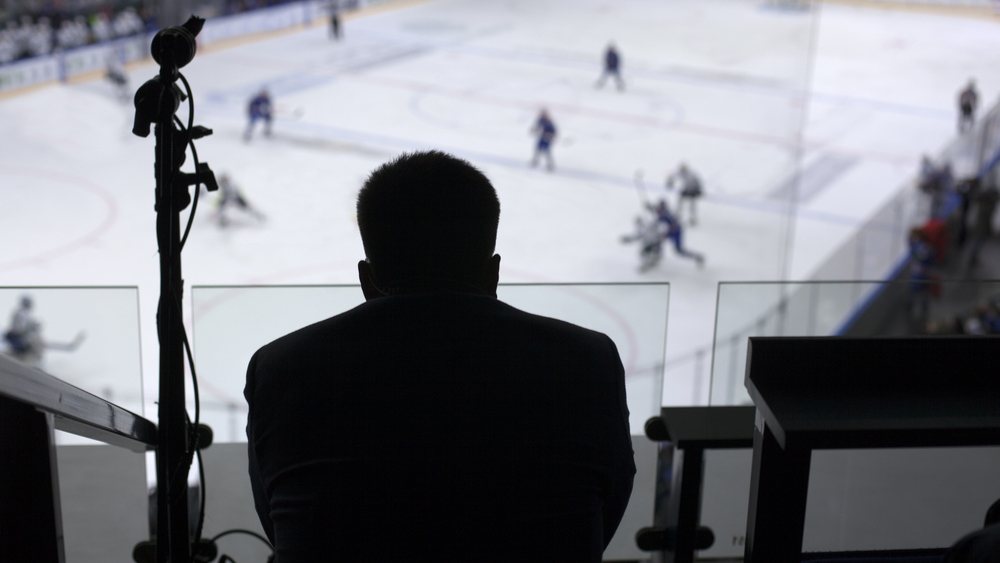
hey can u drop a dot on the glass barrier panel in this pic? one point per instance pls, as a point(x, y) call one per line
point(858, 499)
point(85, 336)
point(633, 315)
point(860, 308)
point(231, 323)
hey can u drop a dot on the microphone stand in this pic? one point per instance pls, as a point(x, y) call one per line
point(156, 102)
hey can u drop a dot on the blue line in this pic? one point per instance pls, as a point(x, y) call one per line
point(863, 306)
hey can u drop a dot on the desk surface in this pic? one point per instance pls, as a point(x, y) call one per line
point(864, 393)
point(76, 410)
point(704, 427)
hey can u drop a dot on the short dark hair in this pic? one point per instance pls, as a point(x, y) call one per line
point(427, 215)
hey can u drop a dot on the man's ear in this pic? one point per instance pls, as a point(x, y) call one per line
point(369, 284)
point(491, 275)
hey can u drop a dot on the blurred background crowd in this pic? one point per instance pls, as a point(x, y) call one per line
point(32, 28)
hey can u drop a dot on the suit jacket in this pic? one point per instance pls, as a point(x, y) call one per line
point(981, 546)
point(439, 425)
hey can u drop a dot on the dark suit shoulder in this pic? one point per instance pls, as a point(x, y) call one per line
point(310, 334)
point(474, 319)
point(551, 325)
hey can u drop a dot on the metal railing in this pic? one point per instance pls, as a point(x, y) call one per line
point(33, 404)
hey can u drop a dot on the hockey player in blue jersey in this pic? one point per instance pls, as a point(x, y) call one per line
point(673, 231)
point(545, 130)
point(259, 108)
point(612, 67)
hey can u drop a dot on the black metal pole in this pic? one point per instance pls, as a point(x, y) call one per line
point(156, 102)
point(173, 539)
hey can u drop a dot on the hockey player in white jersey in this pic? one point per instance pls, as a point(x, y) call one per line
point(649, 234)
point(689, 185)
point(230, 195)
point(23, 336)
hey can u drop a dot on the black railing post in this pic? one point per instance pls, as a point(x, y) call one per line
point(30, 523)
point(172, 460)
point(156, 103)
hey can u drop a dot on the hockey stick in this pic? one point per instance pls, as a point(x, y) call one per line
point(640, 185)
point(288, 112)
point(67, 346)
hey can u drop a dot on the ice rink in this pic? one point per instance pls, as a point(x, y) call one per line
point(801, 123)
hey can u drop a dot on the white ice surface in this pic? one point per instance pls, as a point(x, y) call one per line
point(717, 83)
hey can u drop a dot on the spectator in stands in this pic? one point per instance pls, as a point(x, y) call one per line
point(982, 226)
point(434, 422)
point(922, 286)
point(40, 37)
point(128, 23)
point(934, 181)
point(100, 28)
point(8, 46)
point(967, 190)
point(73, 33)
point(992, 318)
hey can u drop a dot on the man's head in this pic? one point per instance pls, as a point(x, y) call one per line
point(428, 220)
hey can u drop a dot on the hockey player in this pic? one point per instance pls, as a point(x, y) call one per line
point(24, 336)
point(650, 237)
point(259, 108)
point(230, 195)
point(335, 20)
point(673, 231)
point(690, 190)
point(612, 67)
point(545, 130)
point(115, 74)
point(968, 99)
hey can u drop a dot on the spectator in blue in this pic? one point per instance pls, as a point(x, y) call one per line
point(612, 67)
point(259, 109)
point(982, 224)
point(545, 130)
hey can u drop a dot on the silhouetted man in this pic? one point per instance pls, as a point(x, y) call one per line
point(981, 546)
point(434, 422)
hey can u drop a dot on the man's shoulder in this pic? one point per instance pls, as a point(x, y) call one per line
point(412, 320)
point(534, 325)
point(312, 333)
